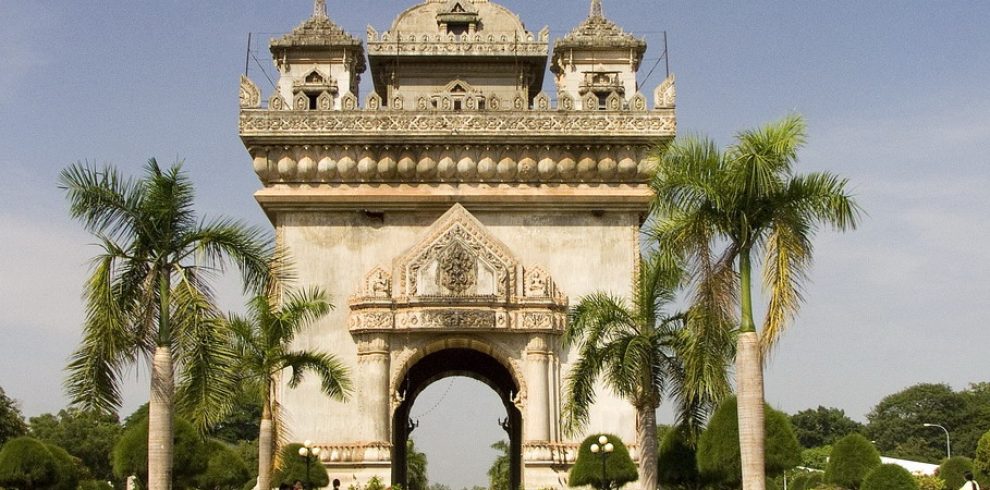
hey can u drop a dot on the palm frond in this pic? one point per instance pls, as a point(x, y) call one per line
point(248, 247)
point(335, 378)
point(102, 199)
point(788, 258)
point(579, 389)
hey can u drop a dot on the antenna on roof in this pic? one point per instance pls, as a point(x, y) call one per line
point(320, 9)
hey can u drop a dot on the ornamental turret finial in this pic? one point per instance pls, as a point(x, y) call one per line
point(320, 9)
point(596, 9)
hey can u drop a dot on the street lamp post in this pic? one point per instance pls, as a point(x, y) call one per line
point(604, 448)
point(948, 445)
point(308, 452)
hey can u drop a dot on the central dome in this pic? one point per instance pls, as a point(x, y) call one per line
point(436, 16)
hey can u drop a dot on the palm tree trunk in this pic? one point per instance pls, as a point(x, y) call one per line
point(749, 378)
point(646, 424)
point(266, 438)
point(160, 413)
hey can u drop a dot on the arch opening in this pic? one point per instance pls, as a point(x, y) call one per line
point(457, 362)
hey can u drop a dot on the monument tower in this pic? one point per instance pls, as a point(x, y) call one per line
point(454, 215)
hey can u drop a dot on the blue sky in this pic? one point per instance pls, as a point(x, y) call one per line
point(895, 94)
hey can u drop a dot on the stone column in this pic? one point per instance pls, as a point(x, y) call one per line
point(538, 384)
point(372, 385)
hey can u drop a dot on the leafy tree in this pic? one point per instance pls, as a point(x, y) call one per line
point(87, 435)
point(225, 470)
point(816, 457)
point(27, 464)
point(982, 460)
point(677, 465)
point(823, 426)
point(263, 345)
point(853, 457)
point(929, 482)
point(720, 209)
point(11, 421)
point(642, 352)
point(242, 422)
point(897, 422)
point(148, 297)
point(587, 470)
point(719, 457)
point(954, 469)
point(294, 468)
point(889, 477)
point(130, 455)
point(498, 472)
point(416, 467)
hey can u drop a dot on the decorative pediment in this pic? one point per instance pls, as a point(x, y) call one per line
point(665, 96)
point(458, 277)
point(613, 102)
point(457, 257)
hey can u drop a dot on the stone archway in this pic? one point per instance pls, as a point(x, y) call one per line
point(457, 361)
point(458, 302)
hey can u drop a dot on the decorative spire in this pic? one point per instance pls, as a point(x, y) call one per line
point(320, 9)
point(596, 9)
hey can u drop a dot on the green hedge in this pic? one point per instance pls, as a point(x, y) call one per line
point(889, 477)
point(677, 463)
point(294, 468)
point(718, 446)
point(953, 470)
point(587, 470)
point(27, 464)
point(852, 458)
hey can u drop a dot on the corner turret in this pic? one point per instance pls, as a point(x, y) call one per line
point(318, 63)
point(597, 58)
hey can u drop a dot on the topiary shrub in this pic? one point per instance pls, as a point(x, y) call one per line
point(294, 468)
point(130, 454)
point(225, 470)
point(677, 465)
point(587, 470)
point(982, 460)
point(798, 481)
point(953, 471)
point(815, 479)
point(26, 464)
point(853, 457)
point(68, 467)
point(889, 477)
point(718, 446)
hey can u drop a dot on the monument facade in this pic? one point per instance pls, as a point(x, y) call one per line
point(454, 215)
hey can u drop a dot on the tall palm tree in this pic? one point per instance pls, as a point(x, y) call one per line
point(148, 296)
point(263, 346)
point(642, 352)
point(725, 211)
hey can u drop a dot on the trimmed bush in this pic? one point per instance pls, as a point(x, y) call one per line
point(68, 467)
point(225, 470)
point(294, 468)
point(26, 464)
point(889, 477)
point(677, 464)
point(982, 460)
point(587, 470)
point(853, 457)
point(130, 454)
point(718, 446)
point(953, 471)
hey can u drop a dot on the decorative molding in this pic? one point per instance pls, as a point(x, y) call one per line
point(665, 95)
point(250, 97)
point(356, 452)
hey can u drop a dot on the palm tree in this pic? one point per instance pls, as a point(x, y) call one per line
point(498, 472)
point(416, 464)
point(643, 353)
point(148, 296)
point(263, 346)
point(723, 211)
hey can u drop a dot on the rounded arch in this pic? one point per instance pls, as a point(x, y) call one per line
point(456, 357)
point(417, 351)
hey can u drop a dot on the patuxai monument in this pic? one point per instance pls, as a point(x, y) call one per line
point(454, 213)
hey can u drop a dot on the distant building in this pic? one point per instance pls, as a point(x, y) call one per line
point(915, 467)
